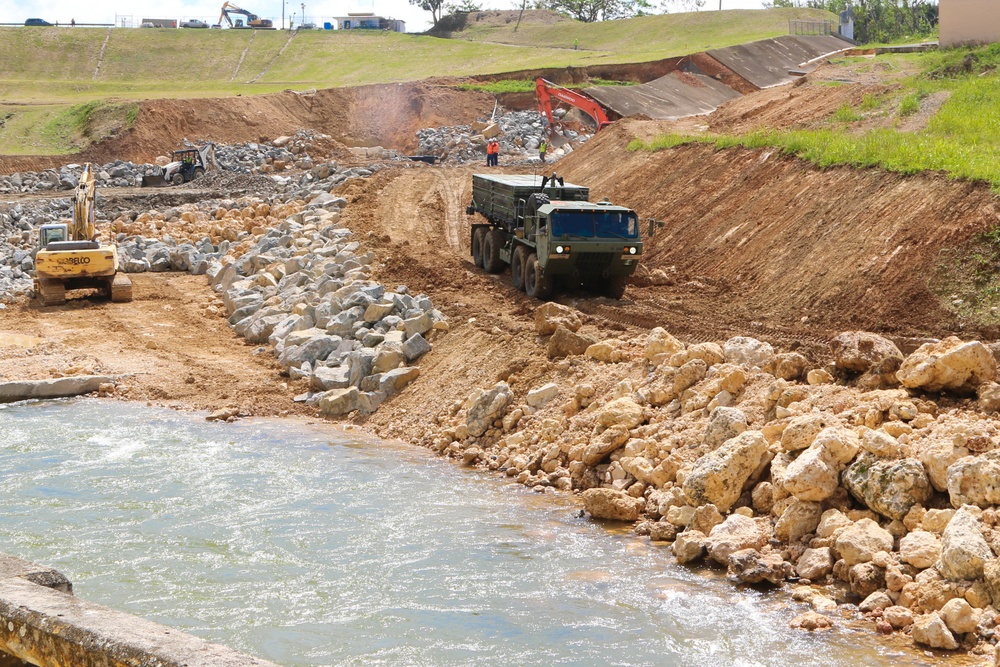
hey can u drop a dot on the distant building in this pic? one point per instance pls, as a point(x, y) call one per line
point(368, 21)
point(968, 22)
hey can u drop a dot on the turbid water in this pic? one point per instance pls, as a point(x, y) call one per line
point(307, 545)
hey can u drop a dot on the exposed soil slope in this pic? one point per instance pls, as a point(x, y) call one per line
point(757, 237)
point(386, 115)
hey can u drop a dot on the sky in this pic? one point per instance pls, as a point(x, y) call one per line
point(106, 11)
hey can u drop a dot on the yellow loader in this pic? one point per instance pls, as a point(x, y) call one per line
point(71, 257)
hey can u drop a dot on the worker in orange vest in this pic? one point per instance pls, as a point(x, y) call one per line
point(493, 153)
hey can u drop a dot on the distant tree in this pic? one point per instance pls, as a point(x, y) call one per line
point(667, 6)
point(464, 7)
point(590, 11)
point(432, 6)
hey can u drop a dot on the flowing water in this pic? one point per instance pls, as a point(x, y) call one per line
point(306, 545)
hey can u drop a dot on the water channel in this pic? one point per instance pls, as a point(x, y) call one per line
point(307, 545)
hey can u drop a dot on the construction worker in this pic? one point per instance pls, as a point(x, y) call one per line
point(493, 153)
point(543, 149)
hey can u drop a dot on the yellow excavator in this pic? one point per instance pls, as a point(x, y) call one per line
point(70, 256)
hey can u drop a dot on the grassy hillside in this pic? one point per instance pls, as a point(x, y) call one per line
point(58, 64)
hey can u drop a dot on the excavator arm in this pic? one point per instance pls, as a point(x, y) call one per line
point(84, 211)
point(546, 90)
point(252, 20)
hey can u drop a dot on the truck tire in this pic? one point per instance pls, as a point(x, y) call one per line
point(198, 173)
point(177, 179)
point(536, 283)
point(517, 266)
point(477, 246)
point(491, 251)
point(616, 286)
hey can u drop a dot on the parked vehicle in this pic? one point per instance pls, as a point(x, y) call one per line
point(194, 23)
point(546, 230)
point(37, 22)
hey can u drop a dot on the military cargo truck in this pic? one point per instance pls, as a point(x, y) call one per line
point(548, 232)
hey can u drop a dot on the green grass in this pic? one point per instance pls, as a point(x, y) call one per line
point(62, 129)
point(528, 85)
point(960, 140)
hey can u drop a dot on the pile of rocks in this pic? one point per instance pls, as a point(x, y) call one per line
point(869, 481)
point(114, 174)
point(305, 288)
point(519, 133)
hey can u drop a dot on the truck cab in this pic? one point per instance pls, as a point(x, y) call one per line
point(546, 230)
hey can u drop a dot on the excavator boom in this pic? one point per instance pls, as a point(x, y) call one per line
point(546, 90)
point(84, 212)
point(253, 21)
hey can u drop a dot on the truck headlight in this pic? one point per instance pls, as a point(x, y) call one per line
point(629, 250)
point(562, 249)
point(559, 249)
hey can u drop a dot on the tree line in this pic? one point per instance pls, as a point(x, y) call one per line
point(874, 20)
point(878, 21)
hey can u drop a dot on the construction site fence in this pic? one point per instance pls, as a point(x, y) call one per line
point(799, 27)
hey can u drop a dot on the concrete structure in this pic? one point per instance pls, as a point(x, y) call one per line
point(42, 623)
point(368, 21)
point(968, 22)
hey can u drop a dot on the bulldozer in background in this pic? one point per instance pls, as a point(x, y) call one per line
point(187, 164)
point(70, 256)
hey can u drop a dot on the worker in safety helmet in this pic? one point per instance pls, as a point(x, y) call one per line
point(493, 153)
point(543, 148)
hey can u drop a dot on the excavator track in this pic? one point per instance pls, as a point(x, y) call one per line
point(50, 292)
point(121, 288)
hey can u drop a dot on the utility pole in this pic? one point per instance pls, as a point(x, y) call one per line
point(303, 19)
point(283, 13)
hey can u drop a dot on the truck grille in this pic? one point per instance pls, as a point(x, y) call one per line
point(589, 262)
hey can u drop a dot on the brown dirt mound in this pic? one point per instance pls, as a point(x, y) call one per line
point(382, 115)
point(754, 237)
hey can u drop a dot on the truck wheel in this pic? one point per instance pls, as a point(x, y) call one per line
point(198, 173)
point(477, 246)
point(177, 179)
point(491, 251)
point(536, 283)
point(616, 286)
point(517, 267)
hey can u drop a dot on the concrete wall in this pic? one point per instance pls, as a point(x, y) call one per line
point(42, 623)
point(969, 22)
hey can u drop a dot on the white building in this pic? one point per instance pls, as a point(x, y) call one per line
point(368, 21)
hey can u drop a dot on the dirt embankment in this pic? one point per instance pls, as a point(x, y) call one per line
point(383, 115)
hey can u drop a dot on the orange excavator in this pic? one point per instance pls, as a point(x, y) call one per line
point(252, 20)
point(546, 90)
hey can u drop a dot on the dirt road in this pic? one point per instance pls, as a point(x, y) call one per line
point(168, 347)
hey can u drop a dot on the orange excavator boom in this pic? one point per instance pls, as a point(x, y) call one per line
point(546, 90)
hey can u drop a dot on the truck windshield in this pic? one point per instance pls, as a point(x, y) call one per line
point(592, 224)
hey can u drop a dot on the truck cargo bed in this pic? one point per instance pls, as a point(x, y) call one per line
point(501, 197)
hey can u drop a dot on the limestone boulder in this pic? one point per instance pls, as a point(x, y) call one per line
point(689, 546)
point(938, 453)
point(803, 429)
point(959, 616)
point(920, 549)
point(660, 344)
point(566, 343)
point(604, 443)
point(337, 402)
point(550, 316)
point(724, 424)
point(859, 542)
point(799, 519)
point(539, 396)
point(735, 533)
point(671, 381)
point(748, 352)
point(975, 480)
point(790, 366)
point(489, 407)
point(898, 617)
point(863, 352)
point(991, 577)
point(718, 476)
point(865, 578)
point(889, 486)
point(815, 564)
point(815, 474)
point(710, 353)
point(950, 365)
point(880, 444)
point(750, 566)
point(621, 412)
point(964, 551)
point(611, 504)
point(931, 630)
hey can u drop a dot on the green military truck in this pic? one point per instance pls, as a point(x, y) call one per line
point(546, 230)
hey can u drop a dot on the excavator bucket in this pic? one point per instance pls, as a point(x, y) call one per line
point(154, 181)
